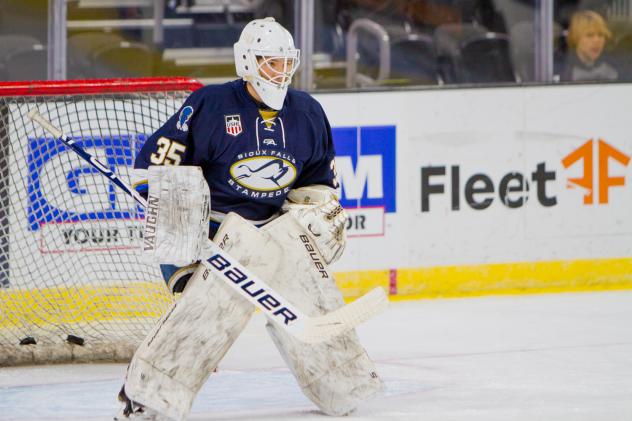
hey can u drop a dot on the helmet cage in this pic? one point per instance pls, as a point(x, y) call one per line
point(269, 70)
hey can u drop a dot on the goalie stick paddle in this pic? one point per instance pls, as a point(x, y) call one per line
point(278, 309)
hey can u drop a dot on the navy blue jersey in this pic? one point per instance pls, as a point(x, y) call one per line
point(249, 162)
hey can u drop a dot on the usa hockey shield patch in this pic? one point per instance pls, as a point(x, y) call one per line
point(233, 124)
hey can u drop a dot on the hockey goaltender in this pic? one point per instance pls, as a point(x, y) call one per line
point(256, 158)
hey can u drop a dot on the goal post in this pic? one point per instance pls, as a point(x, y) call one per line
point(72, 285)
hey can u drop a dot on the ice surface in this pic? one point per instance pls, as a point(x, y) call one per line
point(542, 357)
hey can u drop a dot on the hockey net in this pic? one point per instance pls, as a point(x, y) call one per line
point(72, 286)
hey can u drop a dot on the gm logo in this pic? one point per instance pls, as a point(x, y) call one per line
point(365, 162)
point(62, 188)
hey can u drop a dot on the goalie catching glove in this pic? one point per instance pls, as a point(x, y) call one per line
point(318, 210)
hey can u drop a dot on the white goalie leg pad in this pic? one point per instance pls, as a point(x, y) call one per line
point(336, 374)
point(176, 219)
point(180, 352)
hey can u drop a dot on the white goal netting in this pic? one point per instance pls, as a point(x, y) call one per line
point(72, 286)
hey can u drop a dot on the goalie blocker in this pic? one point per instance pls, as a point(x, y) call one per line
point(177, 215)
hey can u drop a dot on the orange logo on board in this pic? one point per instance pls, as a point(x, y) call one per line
point(585, 153)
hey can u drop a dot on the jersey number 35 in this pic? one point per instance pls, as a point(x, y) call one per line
point(168, 152)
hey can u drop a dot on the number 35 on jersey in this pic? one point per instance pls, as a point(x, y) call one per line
point(168, 152)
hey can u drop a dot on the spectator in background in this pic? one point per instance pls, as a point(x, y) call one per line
point(587, 36)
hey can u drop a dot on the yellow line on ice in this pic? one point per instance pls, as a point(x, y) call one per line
point(81, 304)
point(493, 279)
point(64, 305)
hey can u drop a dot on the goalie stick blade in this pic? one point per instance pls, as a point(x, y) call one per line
point(337, 322)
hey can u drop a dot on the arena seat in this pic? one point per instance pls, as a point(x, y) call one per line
point(468, 53)
point(486, 60)
point(26, 64)
point(21, 50)
point(414, 60)
point(81, 47)
point(124, 59)
point(447, 40)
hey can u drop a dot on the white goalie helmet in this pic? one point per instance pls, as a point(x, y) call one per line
point(266, 57)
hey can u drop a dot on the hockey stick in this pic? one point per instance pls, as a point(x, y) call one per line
point(270, 302)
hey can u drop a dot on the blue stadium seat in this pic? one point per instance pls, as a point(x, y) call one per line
point(468, 53)
point(414, 60)
point(486, 60)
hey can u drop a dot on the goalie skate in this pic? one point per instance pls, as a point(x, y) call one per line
point(134, 411)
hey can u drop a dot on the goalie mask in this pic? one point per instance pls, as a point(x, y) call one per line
point(266, 57)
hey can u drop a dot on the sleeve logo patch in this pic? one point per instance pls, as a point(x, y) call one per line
point(183, 119)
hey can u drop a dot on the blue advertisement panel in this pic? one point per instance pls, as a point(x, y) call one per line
point(365, 160)
point(73, 180)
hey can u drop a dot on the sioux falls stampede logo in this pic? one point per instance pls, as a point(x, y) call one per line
point(263, 174)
